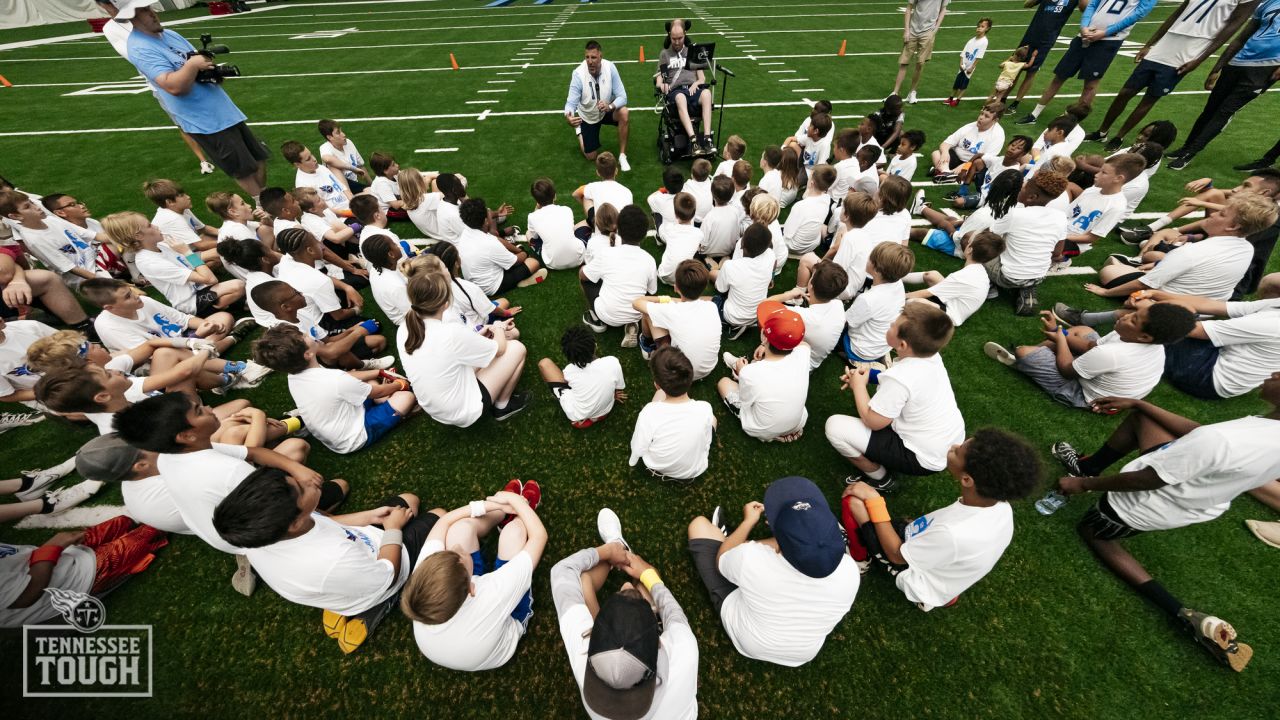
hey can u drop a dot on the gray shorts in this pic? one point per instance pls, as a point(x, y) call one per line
point(996, 274)
point(704, 553)
point(1042, 367)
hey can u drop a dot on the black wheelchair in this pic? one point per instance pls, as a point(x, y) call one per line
point(673, 142)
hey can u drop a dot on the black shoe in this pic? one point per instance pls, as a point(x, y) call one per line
point(596, 324)
point(1066, 314)
point(737, 331)
point(1067, 455)
point(1131, 261)
point(1176, 153)
point(1027, 302)
point(885, 485)
point(518, 402)
point(717, 519)
point(1181, 162)
point(1096, 136)
point(1135, 235)
point(1027, 119)
point(1115, 144)
point(1252, 165)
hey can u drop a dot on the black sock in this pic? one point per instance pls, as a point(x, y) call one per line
point(1092, 465)
point(1156, 593)
point(46, 506)
point(26, 482)
point(702, 138)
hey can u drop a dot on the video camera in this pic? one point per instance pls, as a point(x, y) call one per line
point(219, 70)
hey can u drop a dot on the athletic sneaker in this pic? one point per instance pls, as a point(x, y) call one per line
point(40, 479)
point(647, 346)
point(623, 165)
point(717, 519)
point(531, 491)
point(206, 167)
point(8, 421)
point(1066, 314)
point(385, 362)
point(1027, 302)
point(1135, 235)
point(885, 485)
point(631, 335)
point(1181, 163)
point(1252, 165)
point(1132, 261)
point(1115, 144)
point(590, 320)
point(1175, 153)
point(513, 486)
point(731, 362)
point(919, 204)
point(1027, 119)
point(517, 403)
point(1066, 454)
point(1011, 109)
point(610, 528)
point(1267, 532)
point(533, 279)
point(66, 498)
point(944, 178)
point(243, 328)
point(251, 377)
point(737, 331)
point(1218, 637)
point(1060, 266)
point(911, 98)
point(999, 353)
point(245, 580)
point(1096, 136)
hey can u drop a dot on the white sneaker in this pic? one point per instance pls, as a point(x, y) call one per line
point(999, 353)
point(918, 206)
point(206, 168)
point(40, 479)
point(911, 98)
point(631, 335)
point(385, 362)
point(244, 580)
point(731, 362)
point(533, 279)
point(66, 498)
point(623, 165)
point(8, 421)
point(610, 528)
point(252, 376)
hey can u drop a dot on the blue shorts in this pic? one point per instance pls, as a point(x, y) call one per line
point(379, 418)
point(941, 241)
point(961, 82)
point(684, 90)
point(1087, 63)
point(524, 608)
point(1159, 79)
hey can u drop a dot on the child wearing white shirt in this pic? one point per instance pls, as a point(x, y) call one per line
point(301, 252)
point(734, 149)
point(310, 173)
point(130, 318)
point(874, 310)
point(963, 292)
point(66, 249)
point(589, 385)
point(973, 51)
point(806, 226)
point(680, 238)
point(823, 316)
point(384, 256)
point(763, 209)
point(617, 275)
point(690, 323)
point(180, 227)
point(662, 201)
point(851, 245)
point(490, 261)
point(903, 163)
point(350, 349)
point(1099, 209)
point(386, 186)
point(720, 230)
point(743, 283)
point(768, 392)
point(814, 145)
point(186, 282)
point(238, 220)
point(673, 432)
point(339, 153)
point(699, 186)
point(604, 190)
point(551, 228)
point(893, 222)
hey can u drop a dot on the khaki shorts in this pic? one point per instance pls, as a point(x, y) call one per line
point(920, 48)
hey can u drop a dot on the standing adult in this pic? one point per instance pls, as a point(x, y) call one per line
point(919, 29)
point(1041, 34)
point(202, 109)
point(1249, 66)
point(681, 79)
point(597, 97)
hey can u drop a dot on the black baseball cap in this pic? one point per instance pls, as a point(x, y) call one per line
point(622, 659)
point(802, 523)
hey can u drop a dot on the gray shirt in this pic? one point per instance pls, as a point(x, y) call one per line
point(680, 68)
point(924, 15)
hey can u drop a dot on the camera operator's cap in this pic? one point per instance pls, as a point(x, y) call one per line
point(804, 527)
point(622, 660)
point(106, 458)
point(781, 326)
point(125, 9)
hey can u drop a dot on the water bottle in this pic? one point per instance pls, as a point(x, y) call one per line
point(1051, 503)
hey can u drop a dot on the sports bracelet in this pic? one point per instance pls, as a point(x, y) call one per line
point(392, 537)
point(649, 578)
point(877, 510)
point(45, 553)
point(477, 508)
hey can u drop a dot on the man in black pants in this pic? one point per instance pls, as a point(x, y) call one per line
point(1248, 67)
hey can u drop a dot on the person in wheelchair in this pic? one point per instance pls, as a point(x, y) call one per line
point(681, 80)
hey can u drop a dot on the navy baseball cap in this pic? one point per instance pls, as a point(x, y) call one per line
point(802, 522)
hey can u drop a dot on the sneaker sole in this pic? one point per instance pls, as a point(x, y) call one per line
point(999, 353)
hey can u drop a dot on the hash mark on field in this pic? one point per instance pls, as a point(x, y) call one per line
point(776, 62)
point(511, 72)
point(500, 82)
point(500, 90)
point(436, 150)
point(810, 90)
point(485, 114)
point(793, 80)
point(775, 72)
point(455, 130)
point(483, 102)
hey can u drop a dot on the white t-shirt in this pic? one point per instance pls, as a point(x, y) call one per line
point(252, 280)
point(1095, 213)
point(482, 635)
point(175, 228)
point(972, 53)
point(389, 291)
point(148, 501)
point(327, 184)
point(590, 393)
point(1071, 143)
point(950, 549)
point(627, 272)
point(170, 273)
point(778, 614)
point(663, 204)
point(855, 247)
point(314, 285)
point(348, 153)
point(198, 481)
point(964, 291)
point(117, 33)
point(18, 336)
point(1192, 33)
point(869, 318)
point(449, 225)
point(1115, 368)
point(773, 394)
point(1030, 236)
point(607, 191)
point(806, 224)
point(771, 183)
point(333, 566)
point(725, 167)
point(720, 230)
point(746, 282)
point(232, 230)
point(1210, 268)
point(320, 225)
point(977, 221)
point(823, 326)
point(484, 259)
point(814, 152)
point(694, 328)
point(969, 141)
point(1134, 192)
point(1203, 472)
point(1250, 346)
point(904, 168)
point(470, 306)
point(135, 393)
point(75, 571)
point(443, 370)
point(385, 190)
point(63, 247)
point(701, 192)
point(674, 439)
point(560, 247)
point(916, 393)
point(681, 242)
point(846, 171)
point(424, 217)
point(890, 228)
point(331, 403)
point(152, 320)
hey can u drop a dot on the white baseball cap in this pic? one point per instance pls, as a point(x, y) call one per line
point(125, 9)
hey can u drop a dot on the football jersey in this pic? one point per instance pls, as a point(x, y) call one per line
point(1263, 46)
point(1120, 14)
point(1204, 18)
point(1050, 18)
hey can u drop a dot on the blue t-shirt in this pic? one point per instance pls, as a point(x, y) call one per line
point(205, 108)
point(1263, 46)
point(1051, 16)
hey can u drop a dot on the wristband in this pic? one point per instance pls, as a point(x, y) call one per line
point(392, 537)
point(649, 578)
point(45, 553)
point(877, 510)
point(370, 326)
point(478, 508)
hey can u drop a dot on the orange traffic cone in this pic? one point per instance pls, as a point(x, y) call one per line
point(5, 82)
point(453, 61)
point(843, 45)
point(641, 53)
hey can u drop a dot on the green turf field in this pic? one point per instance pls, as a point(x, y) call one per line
point(1048, 633)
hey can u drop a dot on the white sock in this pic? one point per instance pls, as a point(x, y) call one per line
point(915, 278)
point(877, 474)
point(1036, 113)
point(1160, 223)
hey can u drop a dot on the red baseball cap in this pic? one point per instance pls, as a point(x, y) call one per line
point(781, 326)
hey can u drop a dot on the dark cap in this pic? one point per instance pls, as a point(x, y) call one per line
point(106, 459)
point(802, 523)
point(622, 659)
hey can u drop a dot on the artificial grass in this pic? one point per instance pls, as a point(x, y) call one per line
point(1047, 633)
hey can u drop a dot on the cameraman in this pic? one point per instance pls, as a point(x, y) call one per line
point(202, 110)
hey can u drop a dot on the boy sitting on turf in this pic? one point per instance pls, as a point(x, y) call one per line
point(814, 146)
point(1076, 367)
point(851, 244)
point(778, 598)
point(489, 261)
point(130, 318)
point(699, 186)
point(345, 411)
point(551, 228)
point(734, 148)
point(689, 323)
point(661, 201)
point(874, 310)
point(589, 385)
point(768, 392)
point(466, 616)
point(617, 275)
point(913, 418)
point(373, 221)
point(742, 283)
point(185, 281)
point(177, 223)
point(331, 186)
point(70, 251)
point(903, 164)
point(673, 432)
point(604, 190)
point(338, 152)
point(1099, 209)
point(317, 219)
point(763, 209)
point(300, 253)
point(893, 222)
point(963, 292)
point(351, 566)
point(823, 315)
point(720, 231)
point(385, 187)
point(1031, 232)
point(680, 238)
point(806, 226)
point(352, 349)
point(238, 221)
point(941, 554)
point(741, 177)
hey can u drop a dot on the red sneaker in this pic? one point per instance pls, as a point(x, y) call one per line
point(532, 492)
point(513, 486)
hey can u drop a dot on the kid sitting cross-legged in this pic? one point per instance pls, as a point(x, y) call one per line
point(350, 349)
point(489, 261)
point(680, 238)
point(238, 221)
point(823, 316)
point(386, 186)
point(617, 275)
point(768, 392)
point(301, 251)
point(963, 292)
point(589, 385)
point(743, 282)
point(130, 318)
point(673, 432)
point(185, 281)
point(874, 309)
point(689, 322)
point(551, 228)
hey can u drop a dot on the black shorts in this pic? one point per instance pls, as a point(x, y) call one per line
point(590, 132)
point(704, 553)
point(938, 301)
point(486, 400)
point(1103, 522)
point(362, 349)
point(961, 81)
point(557, 388)
point(235, 151)
point(413, 535)
point(512, 276)
point(886, 448)
point(206, 302)
point(954, 160)
point(1041, 43)
point(334, 327)
point(1126, 278)
point(1158, 79)
point(1087, 63)
point(331, 496)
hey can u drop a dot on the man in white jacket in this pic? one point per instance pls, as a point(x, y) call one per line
point(596, 98)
